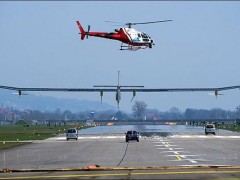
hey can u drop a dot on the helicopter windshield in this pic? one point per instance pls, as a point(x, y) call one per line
point(144, 35)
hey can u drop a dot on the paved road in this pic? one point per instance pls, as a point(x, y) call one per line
point(159, 146)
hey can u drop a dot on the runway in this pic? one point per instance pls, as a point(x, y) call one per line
point(105, 146)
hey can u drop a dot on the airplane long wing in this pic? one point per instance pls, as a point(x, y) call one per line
point(123, 89)
point(182, 89)
point(58, 89)
point(118, 89)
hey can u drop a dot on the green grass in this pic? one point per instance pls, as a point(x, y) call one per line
point(230, 127)
point(32, 132)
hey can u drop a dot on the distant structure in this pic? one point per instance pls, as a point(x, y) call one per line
point(238, 121)
point(90, 123)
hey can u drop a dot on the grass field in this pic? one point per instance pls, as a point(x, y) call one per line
point(19, 133)
point(230, 127)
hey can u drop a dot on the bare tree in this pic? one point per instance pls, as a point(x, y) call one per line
point(139, 109)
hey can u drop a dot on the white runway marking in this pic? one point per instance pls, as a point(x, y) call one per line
point(185, 155)
point(89, 137)
point(164, 145)
point(59, 139)
point(171, 152)
point(175, 153)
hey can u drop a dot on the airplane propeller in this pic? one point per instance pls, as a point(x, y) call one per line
point(134, 94)
point(216, 93)
point(101, 94)
point(20, 93)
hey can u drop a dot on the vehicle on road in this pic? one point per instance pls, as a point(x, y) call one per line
point(210, 128)
point(72, 133)
point(132, 135)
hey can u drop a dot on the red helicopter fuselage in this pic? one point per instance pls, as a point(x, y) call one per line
point(129, 36)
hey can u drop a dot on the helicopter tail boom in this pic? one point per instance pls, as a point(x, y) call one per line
point(83, 33)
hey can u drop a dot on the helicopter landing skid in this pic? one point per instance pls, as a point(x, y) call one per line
point(131, 47)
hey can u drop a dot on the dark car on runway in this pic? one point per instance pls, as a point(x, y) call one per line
point(132, 135)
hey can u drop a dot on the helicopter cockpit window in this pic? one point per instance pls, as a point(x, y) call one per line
point(144, 35)
point(148, 36)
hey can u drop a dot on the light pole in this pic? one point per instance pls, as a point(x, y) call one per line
point(237, 111)
point(238, 114)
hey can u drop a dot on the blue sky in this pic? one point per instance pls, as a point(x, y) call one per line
point(40, 47)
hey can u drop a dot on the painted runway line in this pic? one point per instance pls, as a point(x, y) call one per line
point(171, 150)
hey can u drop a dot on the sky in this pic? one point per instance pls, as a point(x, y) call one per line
point(40, 47)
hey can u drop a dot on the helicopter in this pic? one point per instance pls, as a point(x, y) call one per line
point(131, 39)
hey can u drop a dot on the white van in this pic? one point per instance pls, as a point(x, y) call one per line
point(210, 128)
point(72, 133)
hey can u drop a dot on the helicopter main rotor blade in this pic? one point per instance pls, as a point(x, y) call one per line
point(130, 24)
point(111, 22)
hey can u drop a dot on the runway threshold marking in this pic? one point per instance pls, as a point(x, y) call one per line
point(172, 150)
point(164, 145)
point(89, 137)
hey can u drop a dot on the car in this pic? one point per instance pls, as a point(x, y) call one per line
point(210, 128)
point(72, 133)
point(132, 135)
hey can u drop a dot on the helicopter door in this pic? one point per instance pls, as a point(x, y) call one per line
point(135, 37)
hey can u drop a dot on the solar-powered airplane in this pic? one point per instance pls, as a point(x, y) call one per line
point(120, 88)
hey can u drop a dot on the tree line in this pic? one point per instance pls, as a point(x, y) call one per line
point(139, 112)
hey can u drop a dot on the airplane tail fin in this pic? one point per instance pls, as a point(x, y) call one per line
point(83, 33)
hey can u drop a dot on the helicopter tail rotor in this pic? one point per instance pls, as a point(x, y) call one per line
point(87, 33)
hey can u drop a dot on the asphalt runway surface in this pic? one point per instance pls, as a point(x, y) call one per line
point(164, 151)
